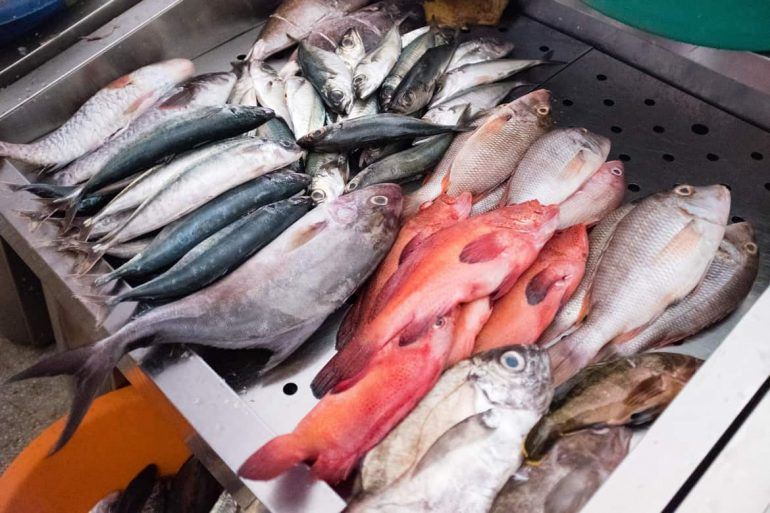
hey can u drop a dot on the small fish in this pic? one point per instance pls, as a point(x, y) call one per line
point(409, 56)
point(479, 50)
point(658, 254)
point(481, 98)
point(376, 65)
point(329, 173)
point(361, 108)
point(481, 160)
point(107, 112)
point(434, 216)
point(371, 130)
point(599, 196)
point(568, 475)
point(629, 391)
point(727, 282)
point(306, 108)
point(407, 38)
point(468, 76)
point(269, 89)
point(474, 258)
point(374, 153)
point(574, 311)
point(351, 48)
point(447, 115)
point(261, 303)
point(416, 89)
point(521, 316)
point(470, 440)
point(330, 76)
point(344, 425)
point(557, 165)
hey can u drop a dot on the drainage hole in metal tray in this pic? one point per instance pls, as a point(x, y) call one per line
point(634, 188)
point(567, 103)
point(241, 57)
point(699, 129)
point(712, 157)
point(601, 77)
point(668, 158)
point(658, 129)
point(290, 388)
point(615, 129)
point(756, 155)
point(649, 102)
point(728, 186)
point(737, 219)
point(623, 157)
point(544, 48)
point(767, 186)
point(608, 102)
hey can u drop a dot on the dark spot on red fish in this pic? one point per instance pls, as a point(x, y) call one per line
point(540, 284)
point(485, 248)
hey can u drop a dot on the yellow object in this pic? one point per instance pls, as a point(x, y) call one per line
point(459, 13)
point(119, 436)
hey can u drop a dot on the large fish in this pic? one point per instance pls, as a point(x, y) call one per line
point(469, 443)
point(108, 111)
point(375, 66)
point(471, 259)
point(574, 311)
point(329, 173)
point(330, 76)
point(296, 19)
point(568, 475)
point(599, 196)
point(522, 314)
point(344, 425)
point(480, 161)
point(437, 215)
point(658, 254)
point(727, 282)
point(557, 165)
point(270, 301)
point(629, 391)
point(406, 60)
point(206, 90)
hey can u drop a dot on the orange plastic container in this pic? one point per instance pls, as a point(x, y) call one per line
point(119, 436)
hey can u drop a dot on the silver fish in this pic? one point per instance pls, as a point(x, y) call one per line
point(418, 85)
point(489, 200)
point(111, 109)
point(130, 249)
point(447, 115)
point(569, 474)
point(410, 36)
point(376, 65)
point(481, 98)
point(329, 75)
point(727, 282)
point(351, 48)
point(411, 53)
point(573, 312)
point(479, 50)
point(471, 75)
point(657, 255)
point(306, 108)
point(458, 447)
point(269, 89)
point(556, 165)
point(270, 301)
point(330, 172)
point(362, 108)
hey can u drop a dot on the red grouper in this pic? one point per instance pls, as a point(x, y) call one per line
point(474, 258)
point(345, 424)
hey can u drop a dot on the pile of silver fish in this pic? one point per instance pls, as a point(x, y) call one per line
point(498, 352)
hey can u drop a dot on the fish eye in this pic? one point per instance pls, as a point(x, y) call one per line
point(544, 110)
point(336, 95)
point(358, 79)
point(286, 144)
point(440, 322)
point(379, 200)
point(513, 360)
point(616, 171)
point(684, 190)
point(318, 196)
point(751, 248)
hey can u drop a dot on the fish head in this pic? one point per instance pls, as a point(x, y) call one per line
point(534, 107)
point(171, 71)
point(709, 203)
point(281, 153)
point(443, 115)
point(372, 209)
point(594, 146)
point(611, 175)
point(339, 98)
point(405, 101)
point(351, 43)
point(531, 217)
point(249, 115)
point(740, 242)
point(204, 90)
point(514, 376)
point(362, 83)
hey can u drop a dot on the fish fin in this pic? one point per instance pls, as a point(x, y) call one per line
point(473, 428)
point(345, 364)
point(390, 287)
point(306, 235)
point(540, 439)
point(505, 287)
point(645, 391)
point(483, 249)
point(274, 458)
point(137, 491)
point(625, 337)
point(139, 104)
point(92, 256)
point(572, 491)
point(543, 283)
point(445, 180)
point(643, 417)
point(350, 322)
point(410, 247)
point(414, 330)
point(90, 366)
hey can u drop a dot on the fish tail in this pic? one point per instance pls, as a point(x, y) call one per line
point(90, 366)
point(106, 278)
point(93, 254)
point(12, 150)
point(540, 439)
point(274, 458)
point(569, 355)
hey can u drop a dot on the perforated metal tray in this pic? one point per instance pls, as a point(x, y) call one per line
point(665, 135)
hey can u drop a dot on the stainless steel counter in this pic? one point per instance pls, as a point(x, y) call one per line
point(229, 413)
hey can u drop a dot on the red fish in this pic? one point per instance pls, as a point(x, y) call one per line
point(477, 257)
point(345, 424)
point(433, 216)
point(471, 318)
point(521, 316)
